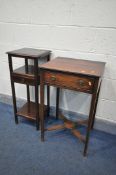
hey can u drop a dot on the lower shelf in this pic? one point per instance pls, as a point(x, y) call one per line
point(28, 111)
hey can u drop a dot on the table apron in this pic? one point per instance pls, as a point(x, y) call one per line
point(72, 82)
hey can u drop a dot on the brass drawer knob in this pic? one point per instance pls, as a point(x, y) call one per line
point(81, 83)
point(53, 78)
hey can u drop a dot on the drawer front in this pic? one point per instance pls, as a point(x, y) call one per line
point(24, 80)
point(80, 83)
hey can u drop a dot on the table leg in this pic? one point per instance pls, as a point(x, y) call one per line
point(36, 93)
point(95, 106)
point(26, 70)
point(48, 100)
point(91, 116)
point(13, 89)
point(42, 106)
point(57, 102)
point(48, 93)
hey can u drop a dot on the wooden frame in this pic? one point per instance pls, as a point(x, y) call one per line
point(61, 67)
point(27, 76)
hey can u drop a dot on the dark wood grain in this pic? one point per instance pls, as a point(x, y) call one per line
point(75, 66)
point(68, 125)
point(74, 74)
point(91, 115)
point(28, 110)
point(29, 53)
point(21, 70)
point(13, 89)
point(57, 102)
point(28, 90)
point(20, 75)
point(36, 93)
point(28, 75)
point(81, 83)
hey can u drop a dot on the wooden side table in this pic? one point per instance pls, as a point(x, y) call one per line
point(73, 74)
point(28, 75)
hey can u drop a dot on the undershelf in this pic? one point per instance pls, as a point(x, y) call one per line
point(28, 110)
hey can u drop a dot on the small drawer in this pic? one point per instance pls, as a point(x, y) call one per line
point(24, 80)
point(74, 82)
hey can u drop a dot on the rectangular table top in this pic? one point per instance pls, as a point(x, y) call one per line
point(75, 66)
point(29, 52)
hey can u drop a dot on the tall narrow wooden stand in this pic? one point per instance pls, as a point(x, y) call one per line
point(28, 75)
